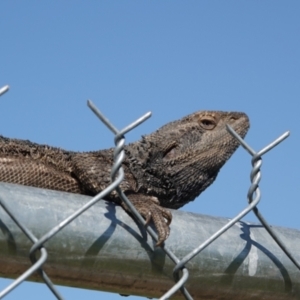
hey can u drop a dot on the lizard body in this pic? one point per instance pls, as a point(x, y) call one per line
point(165, 169)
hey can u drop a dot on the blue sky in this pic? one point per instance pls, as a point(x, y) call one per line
point(169, 57)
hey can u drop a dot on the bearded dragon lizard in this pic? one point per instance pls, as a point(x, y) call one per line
point(165, 169)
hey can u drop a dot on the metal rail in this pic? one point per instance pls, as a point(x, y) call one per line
point(105, 249)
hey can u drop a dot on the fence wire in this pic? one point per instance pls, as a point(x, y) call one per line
point(4, 89)
point(38, 252)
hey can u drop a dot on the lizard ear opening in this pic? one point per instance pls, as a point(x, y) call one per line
point(170, 151)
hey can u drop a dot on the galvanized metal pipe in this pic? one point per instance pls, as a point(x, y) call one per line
point(104, 249)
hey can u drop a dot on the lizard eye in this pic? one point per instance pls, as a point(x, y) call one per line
point(207, 123)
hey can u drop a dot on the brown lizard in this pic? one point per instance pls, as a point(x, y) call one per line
point(165, 169)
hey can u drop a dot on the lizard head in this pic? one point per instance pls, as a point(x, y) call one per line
point(181, 159)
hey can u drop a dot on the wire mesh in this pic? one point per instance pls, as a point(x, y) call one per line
point(180, 272)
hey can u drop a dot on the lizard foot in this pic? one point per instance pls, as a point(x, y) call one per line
point(149, 208)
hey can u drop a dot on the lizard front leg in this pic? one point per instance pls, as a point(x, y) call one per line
point(93, 172)
point(149, 207)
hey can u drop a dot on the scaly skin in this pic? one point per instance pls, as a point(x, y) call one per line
point(165, 169)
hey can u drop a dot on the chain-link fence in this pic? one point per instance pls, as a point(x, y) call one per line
point(187, 252)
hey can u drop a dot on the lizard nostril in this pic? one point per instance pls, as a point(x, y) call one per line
point(233, 118)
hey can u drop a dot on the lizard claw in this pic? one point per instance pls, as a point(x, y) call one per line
point(149, 208)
